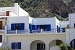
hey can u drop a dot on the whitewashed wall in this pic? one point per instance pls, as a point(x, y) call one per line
point(22, 19)
point(4, 9)
point(70, 35)
point(72, 20)
point(22, 12)
point(43, 21)
point(30, 20)
point(64, 24)
point(57, 22)
point(12, 14)
point(26, 40)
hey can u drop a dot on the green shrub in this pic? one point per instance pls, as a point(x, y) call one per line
point(63, 47)
point(5, 48)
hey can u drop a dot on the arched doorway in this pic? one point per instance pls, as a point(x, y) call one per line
point(72, 44)
point(54, 44)
point(37, 45)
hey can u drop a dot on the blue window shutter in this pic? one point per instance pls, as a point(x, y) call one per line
point(12, 26)
point(22, 26)
point(59, 29)
point(48, 27)
point(19, 45)
point(30, 27)
point(33, 27)
point(13, 45)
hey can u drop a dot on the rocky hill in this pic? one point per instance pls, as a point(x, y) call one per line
point(44, 8)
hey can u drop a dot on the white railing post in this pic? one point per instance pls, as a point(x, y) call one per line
point(16, 31)
point(41, 30)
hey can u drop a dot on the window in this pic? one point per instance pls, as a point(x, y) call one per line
point(16, 45)
point(39, 27)
point(18, 26)
point(7, 13)
point(46, 27)
point(43, 27)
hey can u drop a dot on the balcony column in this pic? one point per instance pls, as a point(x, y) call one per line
point(46, 46)
point(5, 33)
point(4, 38)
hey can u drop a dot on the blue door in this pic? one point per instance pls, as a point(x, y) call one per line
point(13, 45)
point(48, 27)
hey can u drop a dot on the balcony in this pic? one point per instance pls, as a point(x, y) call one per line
point(27, 31)
point(18, 31)
point(52, 31)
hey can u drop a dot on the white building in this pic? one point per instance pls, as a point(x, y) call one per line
point(20, 31)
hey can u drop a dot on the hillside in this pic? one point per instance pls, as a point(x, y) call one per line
point(44, 8)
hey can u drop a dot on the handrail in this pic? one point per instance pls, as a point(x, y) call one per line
point(17, 31)
point(33, 31)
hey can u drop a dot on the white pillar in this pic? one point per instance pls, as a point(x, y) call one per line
point(5, 33)
point(46, 46)
point(4, 37)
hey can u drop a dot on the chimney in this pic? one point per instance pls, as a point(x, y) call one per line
point(16, 7)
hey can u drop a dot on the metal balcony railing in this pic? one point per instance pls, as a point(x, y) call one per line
point(33, 31)
point(17, 31)
point(44, 31)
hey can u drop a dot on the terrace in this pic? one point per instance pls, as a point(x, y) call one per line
point(27, 31)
